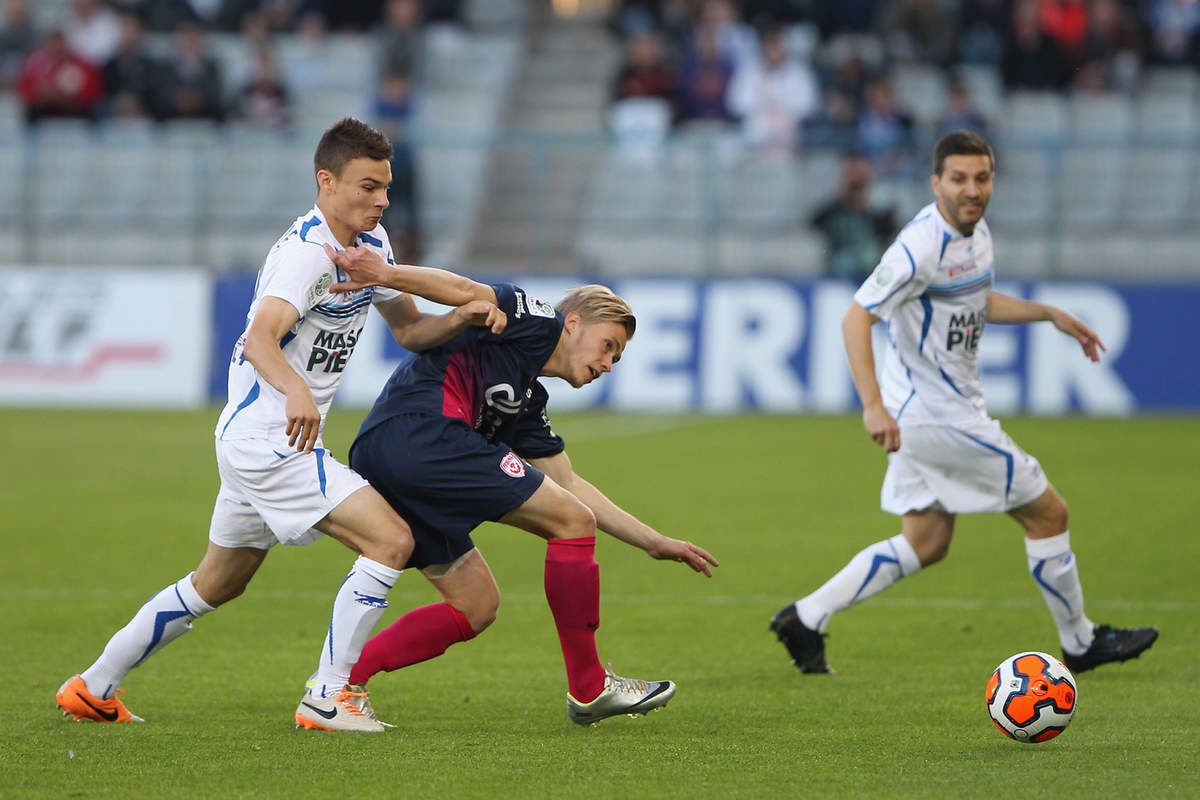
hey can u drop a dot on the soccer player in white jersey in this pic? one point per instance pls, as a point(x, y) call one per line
point(278, 483)
point(946, 456)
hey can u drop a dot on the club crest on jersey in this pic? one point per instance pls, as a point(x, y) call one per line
point(512, 465)
point(883, 274)
point(319, 289)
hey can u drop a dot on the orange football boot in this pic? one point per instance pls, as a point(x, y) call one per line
point(76, 701)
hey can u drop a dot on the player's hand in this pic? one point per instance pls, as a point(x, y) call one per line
point(304, 420)
point(696, 557)
point(364, 266)
point(882, 428)
point(1081, 333)
point(483, 314)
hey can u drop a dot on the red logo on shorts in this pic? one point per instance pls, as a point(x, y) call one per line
point(513, 465)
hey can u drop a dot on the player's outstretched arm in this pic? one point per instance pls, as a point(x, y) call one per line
point(273, 319)
point(616, 522)
point(417, 332)
point(367, 268)
point(856, 333)
point(1004, 308)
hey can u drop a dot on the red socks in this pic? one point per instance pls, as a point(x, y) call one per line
point(573, 592)
point(419, 635)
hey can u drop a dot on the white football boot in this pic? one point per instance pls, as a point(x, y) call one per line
point(348, 710)
point(620, 696)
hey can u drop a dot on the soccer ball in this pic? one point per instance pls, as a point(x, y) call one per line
point(1031, 697)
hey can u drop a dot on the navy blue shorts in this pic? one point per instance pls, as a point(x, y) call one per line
point(443, 478)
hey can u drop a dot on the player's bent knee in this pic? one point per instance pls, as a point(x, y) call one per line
point(580, 522)
point(393, 553)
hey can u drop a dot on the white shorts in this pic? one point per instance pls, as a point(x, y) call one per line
point(274, 494)
point(962, 469)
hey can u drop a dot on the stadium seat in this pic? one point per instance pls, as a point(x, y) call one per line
point(921, 89)
point(1178, 82)
point(760, 194)
point(624, 193)
point(820, 172)
point(798, 253)
point(1033, 118)
point(617, 253)
point(1100, 119)
point(639, 126)
point(1158, 192)
point(1130, 258)
point(1168, 119)
point(225, 248)
point(133, 247)
point(1092, 182)
point(12, 166)
point(986, 87)
point(1026, 255)
point(1025, 182)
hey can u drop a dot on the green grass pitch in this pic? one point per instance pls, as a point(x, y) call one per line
point(104, 508)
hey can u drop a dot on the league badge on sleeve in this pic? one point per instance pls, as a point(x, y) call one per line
point(318, 289)
point(539, 308)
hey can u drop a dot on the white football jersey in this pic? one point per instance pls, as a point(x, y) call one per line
point(319, 345)
point(932, 287)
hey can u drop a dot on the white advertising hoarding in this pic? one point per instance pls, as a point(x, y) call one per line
point(104, 337)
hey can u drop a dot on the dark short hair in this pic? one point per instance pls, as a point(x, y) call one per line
point(961, 143)
point(347, 140)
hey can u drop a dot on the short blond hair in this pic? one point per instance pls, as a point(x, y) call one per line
point(597, 303)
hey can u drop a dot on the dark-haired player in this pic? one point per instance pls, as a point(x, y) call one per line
point(278, 483)
point(946, 456)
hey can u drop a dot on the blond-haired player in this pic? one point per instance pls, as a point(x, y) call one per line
point(460, 435)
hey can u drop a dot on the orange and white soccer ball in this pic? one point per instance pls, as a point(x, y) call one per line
point(1031, 697)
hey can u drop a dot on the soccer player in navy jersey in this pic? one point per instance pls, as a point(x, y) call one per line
point(460, 436)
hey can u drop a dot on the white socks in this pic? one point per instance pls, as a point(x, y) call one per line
point(871, 571)
point(1052, 565)
point(357, 608)
point(165, 617)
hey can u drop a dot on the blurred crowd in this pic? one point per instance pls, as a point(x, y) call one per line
point(780, 76)
point(153, 60)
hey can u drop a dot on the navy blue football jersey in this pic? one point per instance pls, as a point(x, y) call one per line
point(487, 380)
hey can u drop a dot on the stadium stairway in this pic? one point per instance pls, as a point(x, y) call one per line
point(529, 217)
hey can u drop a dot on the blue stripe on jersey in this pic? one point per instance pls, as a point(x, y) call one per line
point(320, 453)
point(904, 405)
point(308, 223)
point(250, 397)
point(901, 286)
point(370, 240)
point(1008, 460)
point(287, 337)
point(340, 314)
point(945, 243)
point(928, 306)
point(921, 218)
point(335, 308)
point(946, 377)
